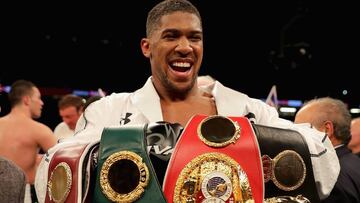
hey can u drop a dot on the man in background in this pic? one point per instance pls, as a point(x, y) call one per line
point(21, 137)
point(332, 117)
point(70, 109)
point(354, 143)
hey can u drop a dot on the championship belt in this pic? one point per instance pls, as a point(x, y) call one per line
point(124, 171)
point(286, 163)
point(66, 179)
point(216, 159)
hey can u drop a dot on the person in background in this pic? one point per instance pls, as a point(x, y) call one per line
point(354, 143)
point(70, 109)
point(12, 182)
point(21, 137)
point(174, 47)
point(331, 116)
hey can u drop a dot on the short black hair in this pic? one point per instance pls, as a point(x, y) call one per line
point(19, 89)
point(167, 7)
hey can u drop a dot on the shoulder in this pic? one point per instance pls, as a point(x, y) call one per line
point(107, 103)
point(40, 128)
point(103, 111)
point(219, 90)
point(60, 125)
point(62, 129)
point(235, 103)
point(349, 159)
point(217, 87)
point(114, 97)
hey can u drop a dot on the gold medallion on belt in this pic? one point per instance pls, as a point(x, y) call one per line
point(124, 176)
point(212, 177)
point(287, 170)
point(59, 184)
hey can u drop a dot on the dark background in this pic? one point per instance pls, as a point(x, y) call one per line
point(248, 46)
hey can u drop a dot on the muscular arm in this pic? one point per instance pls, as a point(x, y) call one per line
point(45, 138)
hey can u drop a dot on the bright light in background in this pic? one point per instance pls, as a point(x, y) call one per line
point(287, 109)
point(295, 103)
point(7, 89)
point(354, 110)
point(344, 92)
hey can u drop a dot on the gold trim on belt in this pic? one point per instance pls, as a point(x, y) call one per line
point(287, 199)
point(124, 176)
point(212, 177)
point(59, 184)
point(218, 131)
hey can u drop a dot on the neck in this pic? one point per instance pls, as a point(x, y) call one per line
point(335, 142)
point(20, 111)
point(175, 92)
point(180, 97)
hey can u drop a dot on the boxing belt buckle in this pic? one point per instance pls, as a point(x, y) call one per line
point(60, 182)
point(124, 171)
point(287, 170)
point(124, 176)
point(65, 173)
point(223, 164)
point(286, 162)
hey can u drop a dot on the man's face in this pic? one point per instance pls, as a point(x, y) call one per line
point(36, 103)
point(355, 136)
point(70, 116)
point(175, 50)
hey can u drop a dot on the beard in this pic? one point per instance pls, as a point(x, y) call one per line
point(173, 88)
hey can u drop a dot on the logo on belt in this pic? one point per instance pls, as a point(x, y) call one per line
point(212, 177)
point(124, 176)
point(59, 184)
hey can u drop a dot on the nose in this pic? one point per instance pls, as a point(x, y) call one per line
point(184, 46)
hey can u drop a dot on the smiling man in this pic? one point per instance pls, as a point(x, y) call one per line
point(174, 47)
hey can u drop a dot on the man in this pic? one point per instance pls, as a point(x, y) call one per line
point(354, 143)
point(332, 117)
point(174, 46)
point(21, 137)
point(70, 109)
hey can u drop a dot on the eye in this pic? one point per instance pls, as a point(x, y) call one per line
point(170, 36)
point(195, 38)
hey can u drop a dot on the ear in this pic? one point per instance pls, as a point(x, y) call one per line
point(329, 128)
point(26, 100)
point(145, 47)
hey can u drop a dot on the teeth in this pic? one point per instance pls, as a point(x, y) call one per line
point(181, 64)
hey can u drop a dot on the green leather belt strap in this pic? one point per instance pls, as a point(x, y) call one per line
point(122, 151)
